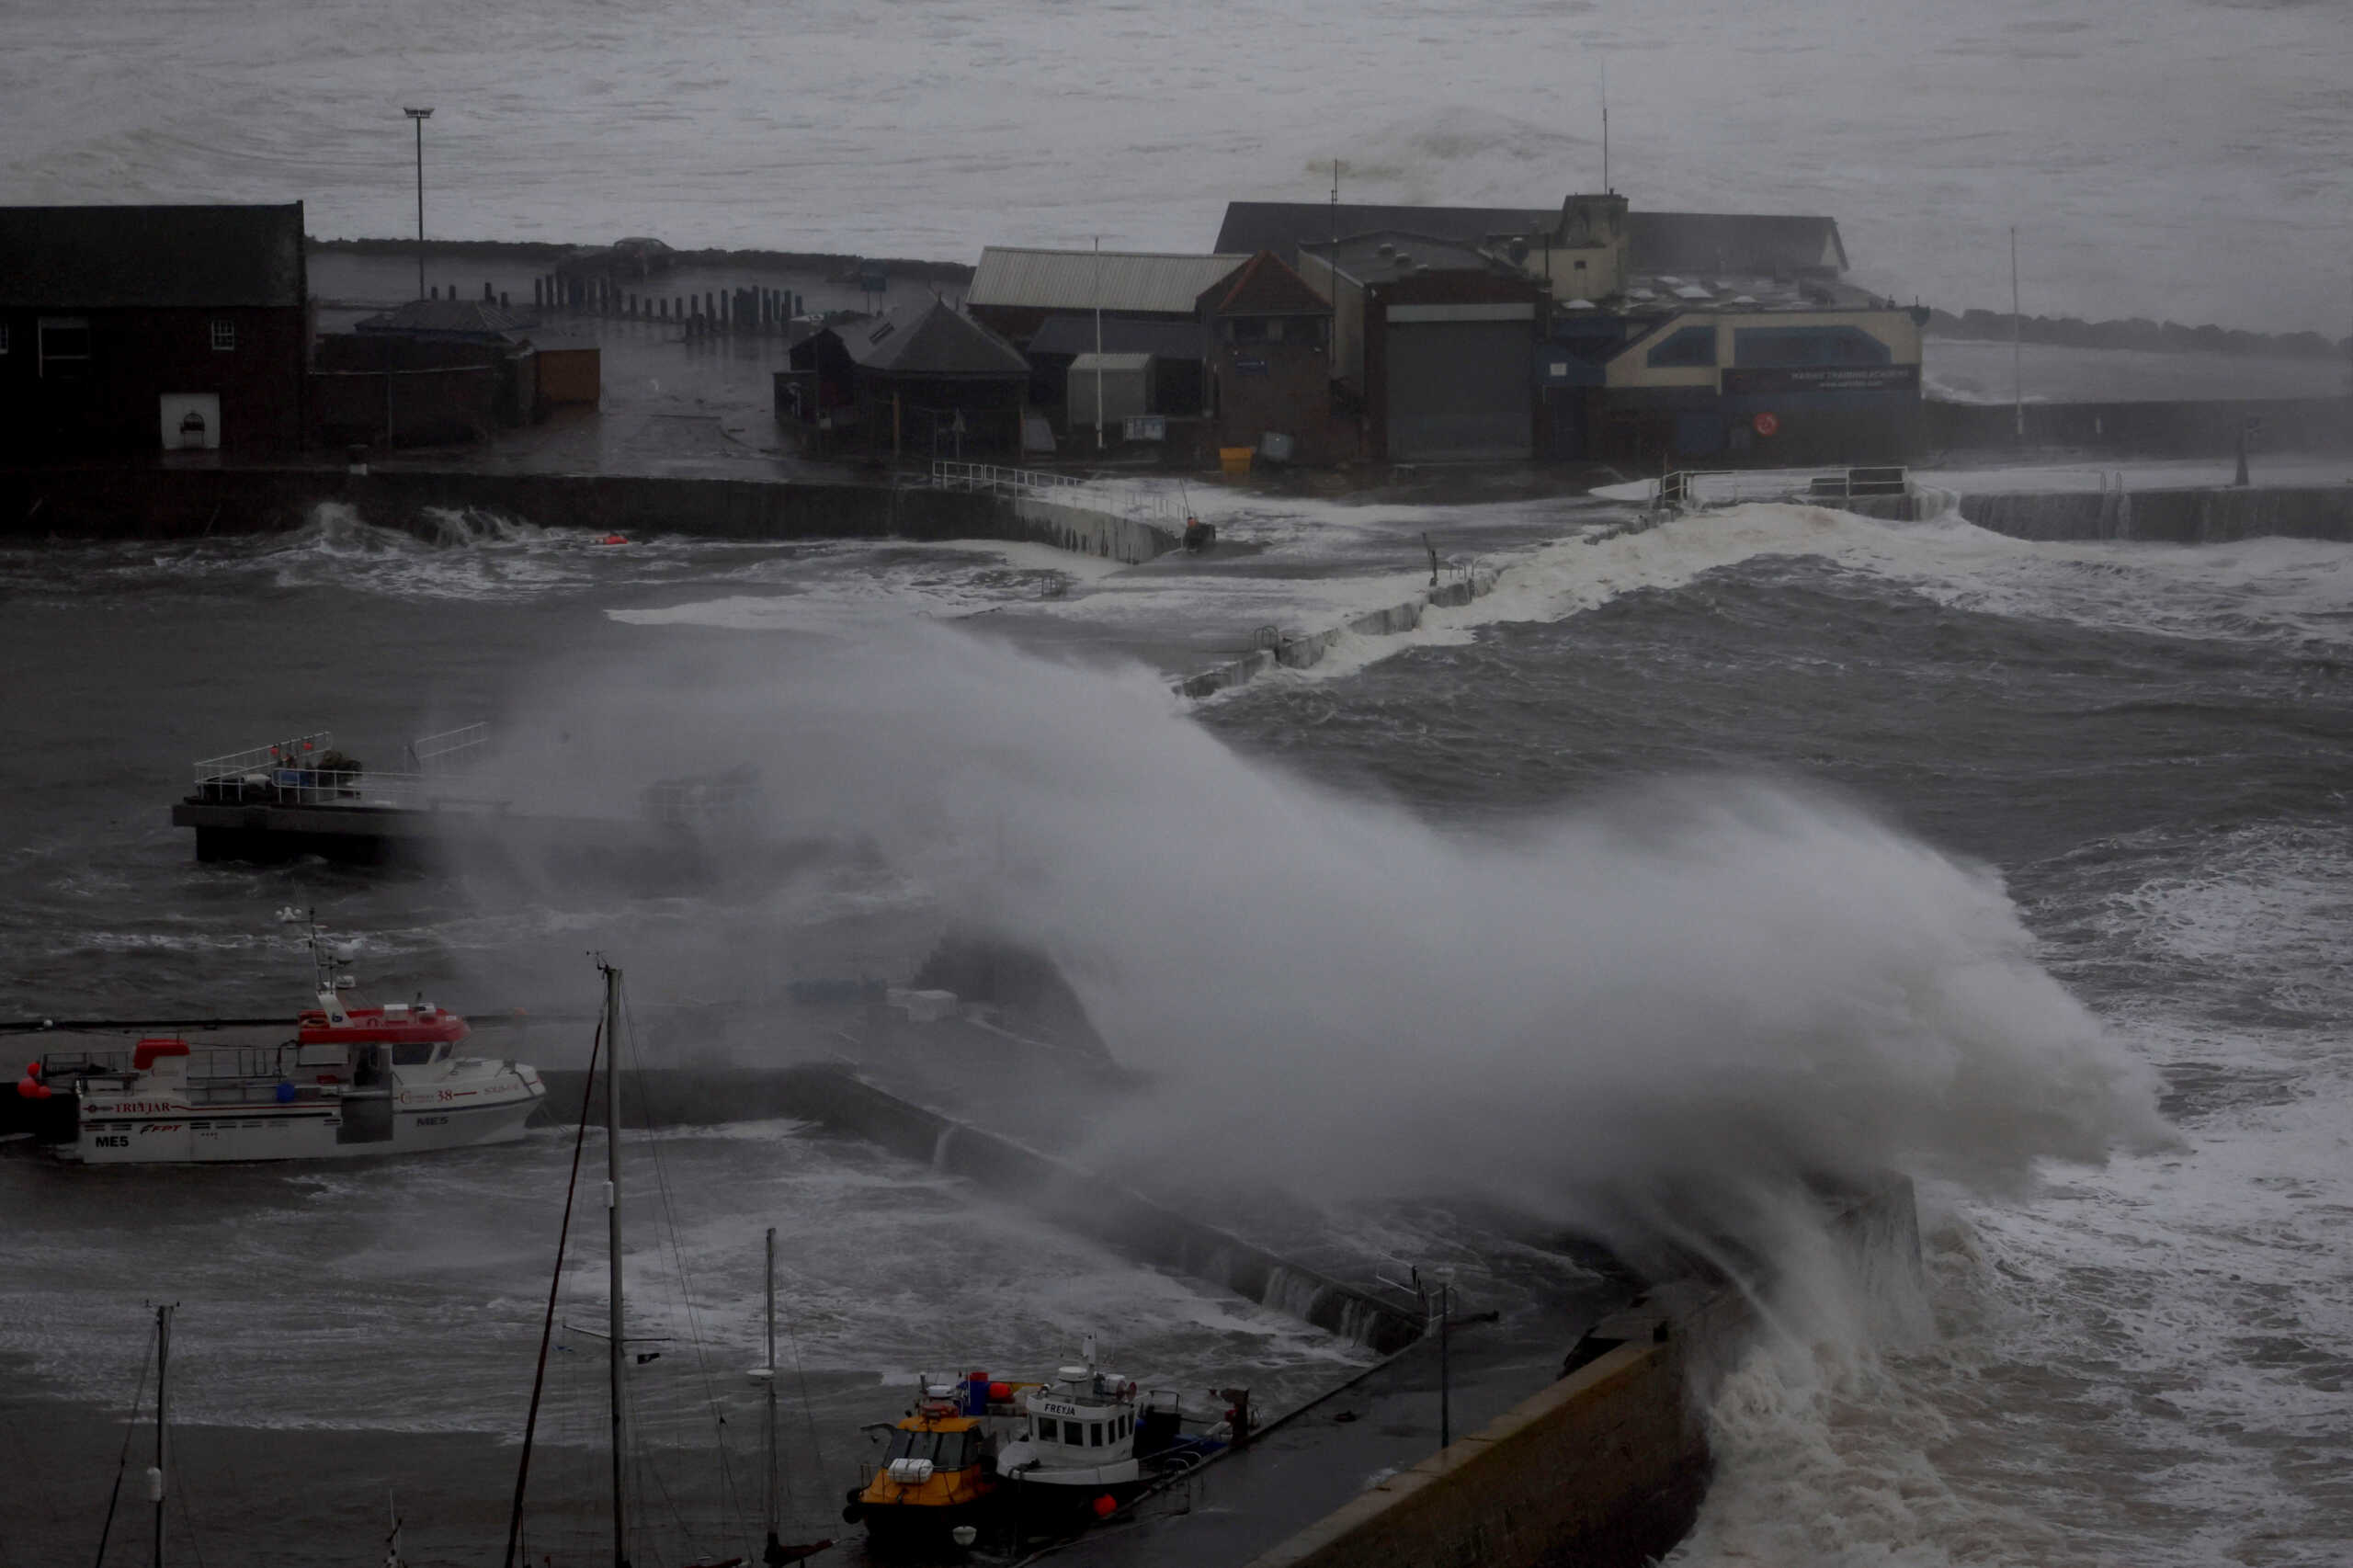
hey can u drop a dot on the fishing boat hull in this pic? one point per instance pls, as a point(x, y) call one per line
point(124, 1130)
point(891, 1527)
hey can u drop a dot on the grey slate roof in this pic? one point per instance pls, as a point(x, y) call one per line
point(1656, 242)
point(1121, 334)
point(102, 257)
point(937, 341)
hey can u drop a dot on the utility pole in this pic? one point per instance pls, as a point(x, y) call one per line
point(420, 116)
point(2018, 328)
point(1336, 201)
point(1605, 125)
point(1099, 350)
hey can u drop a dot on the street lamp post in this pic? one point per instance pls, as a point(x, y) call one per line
point(1444, 1275)
point(420, 116)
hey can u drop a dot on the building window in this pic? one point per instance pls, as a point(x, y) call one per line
point(4, 337)
point(224, 336)
point(64, 348)
point(1247, 329)
point(1789, 345)
point(1686, 347)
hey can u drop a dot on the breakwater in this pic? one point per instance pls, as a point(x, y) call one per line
point(2172, 429)
point(1083, 1201)
point(1608, 1466)
point(1305, 650)
point(169, 503)
point(175, 504)
point(2216, 515)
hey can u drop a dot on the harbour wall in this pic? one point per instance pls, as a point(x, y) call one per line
point(174, 503)
point(2173, 428)
point(1607, 1467)
point(1083, 1201)
point(1306, 650)
point(2216, 515)
point(1090, 533)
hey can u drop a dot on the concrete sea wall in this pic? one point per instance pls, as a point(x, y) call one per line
point(1307, 650)
point(163, 503)
point(1083, 1201)
point(2215, 516)
point(1090, 533)
point(1304, 651)
point(2181, 427)
point(1606, 1468)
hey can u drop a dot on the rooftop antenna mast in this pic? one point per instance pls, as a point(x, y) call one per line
point(1336, 201)
point(1606, 186)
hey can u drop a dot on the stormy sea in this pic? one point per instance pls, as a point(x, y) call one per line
point(1764, 840)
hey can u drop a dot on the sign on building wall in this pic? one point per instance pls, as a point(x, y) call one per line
point(1822, 377)
point(1249, 366)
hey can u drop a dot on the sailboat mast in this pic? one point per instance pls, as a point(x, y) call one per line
point(769, 1476)
point(163, 1423)
point(618, 1344)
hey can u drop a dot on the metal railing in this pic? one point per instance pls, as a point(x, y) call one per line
point(1727, 487)
point(260, 759)
point(428, 752)
point(952, 475)
point(285, 773)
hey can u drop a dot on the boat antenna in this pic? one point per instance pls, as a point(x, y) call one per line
point(617, 1347)
point(555, 1282)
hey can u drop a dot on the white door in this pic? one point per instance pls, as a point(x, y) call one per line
point(191, 421)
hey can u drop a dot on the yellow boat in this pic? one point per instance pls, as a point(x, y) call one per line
point(940, 1469)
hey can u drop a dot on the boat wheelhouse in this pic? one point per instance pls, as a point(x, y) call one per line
point(941, 1470)
point(353, 1082)
point(1092, 1436)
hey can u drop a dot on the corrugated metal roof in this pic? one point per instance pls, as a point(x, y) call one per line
point(1161, 339)
point(1110, 364)
point(1158, 281)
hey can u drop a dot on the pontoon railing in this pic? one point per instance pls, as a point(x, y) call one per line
point(285, 773)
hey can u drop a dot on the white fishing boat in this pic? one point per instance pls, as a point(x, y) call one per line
point(1093, 1440)
point(353, 1082)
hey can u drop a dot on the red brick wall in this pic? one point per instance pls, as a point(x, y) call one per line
point(1294, 396)
point(139, 355)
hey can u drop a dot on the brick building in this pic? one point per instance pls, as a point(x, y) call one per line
point(1270, 365)
point(143, 329)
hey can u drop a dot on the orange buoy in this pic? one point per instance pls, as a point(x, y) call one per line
point(614, 539)
point(1105, 1505)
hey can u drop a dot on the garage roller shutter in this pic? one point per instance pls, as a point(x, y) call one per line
point(1459, 389)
